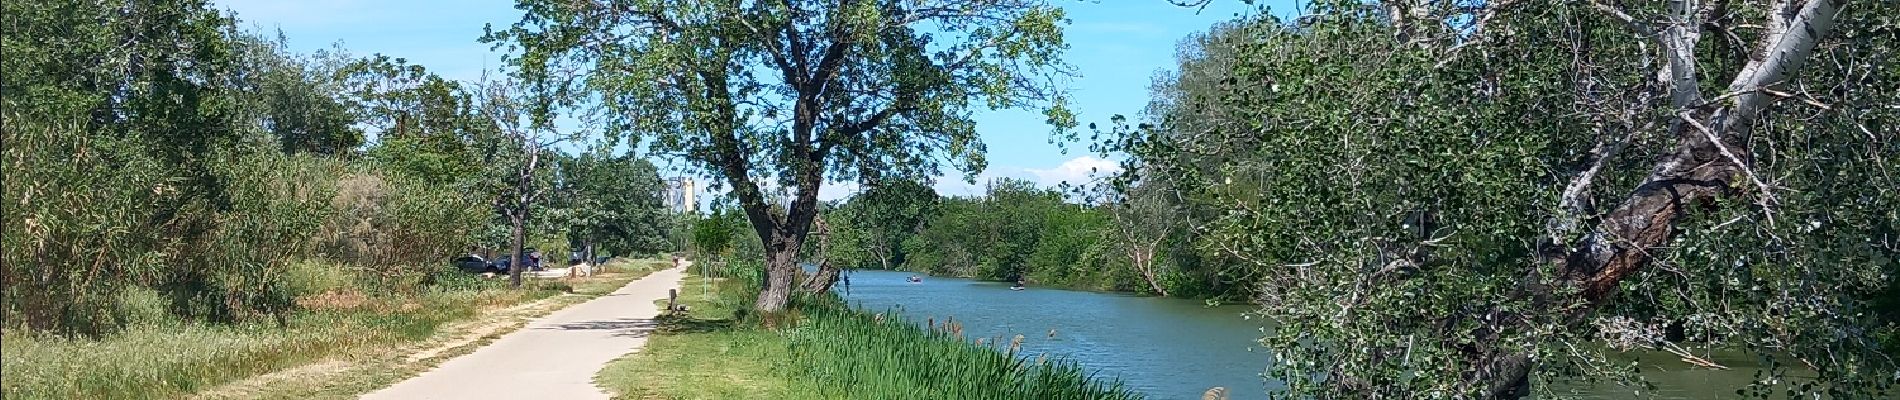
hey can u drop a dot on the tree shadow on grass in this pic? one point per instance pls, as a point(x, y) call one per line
point(688, 324)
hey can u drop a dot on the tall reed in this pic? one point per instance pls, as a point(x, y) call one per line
point(849, 353)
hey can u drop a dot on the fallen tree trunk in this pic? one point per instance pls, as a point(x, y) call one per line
point(1706, 165)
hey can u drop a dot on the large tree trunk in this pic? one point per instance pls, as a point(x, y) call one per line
point(1144, 258)
point(1708, 159)
point(827, 274)
point(1710, 155)
point(822, 281)
point(516, 239)
point(781, 269)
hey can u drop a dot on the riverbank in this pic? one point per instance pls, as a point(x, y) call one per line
point(824, 350)
point(1098, 283)
point(340, 344)
point(1177, 349)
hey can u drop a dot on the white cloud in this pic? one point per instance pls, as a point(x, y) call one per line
point(953, 185)
point(1076, 171)
point(836, 190)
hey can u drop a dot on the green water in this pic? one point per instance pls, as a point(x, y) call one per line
point(1172, 348)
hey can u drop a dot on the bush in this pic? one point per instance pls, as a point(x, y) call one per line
point(83, 221)
point(92, 216)
point(312, 276)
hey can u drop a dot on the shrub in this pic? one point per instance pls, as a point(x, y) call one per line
point(83, 221)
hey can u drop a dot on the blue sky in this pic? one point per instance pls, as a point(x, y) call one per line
point(1116, 47)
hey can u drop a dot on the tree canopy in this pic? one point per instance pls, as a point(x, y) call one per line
point(202, 171)
point(1468, 200)
point(793, 94)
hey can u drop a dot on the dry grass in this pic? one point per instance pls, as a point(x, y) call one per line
point(334, 300)
point(342, 348)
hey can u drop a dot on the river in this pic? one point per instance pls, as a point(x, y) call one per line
point(1173, 348)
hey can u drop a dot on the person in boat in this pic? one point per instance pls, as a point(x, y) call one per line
point(1019, 285)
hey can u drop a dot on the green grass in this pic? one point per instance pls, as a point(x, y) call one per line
point(827, 351)
point(707, 356)
point(170, 359)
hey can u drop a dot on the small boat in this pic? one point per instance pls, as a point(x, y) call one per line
point(1017, 288)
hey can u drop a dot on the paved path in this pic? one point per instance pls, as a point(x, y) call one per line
point(554, 357)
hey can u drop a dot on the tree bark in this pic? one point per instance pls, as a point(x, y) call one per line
point(524, 201)
point(1703, 165)
point(780, 269)
point(516, 239)
point(1700, 170)
point(1144, 258)
point(822, 281)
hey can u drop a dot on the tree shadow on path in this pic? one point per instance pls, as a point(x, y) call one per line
point(622, 327)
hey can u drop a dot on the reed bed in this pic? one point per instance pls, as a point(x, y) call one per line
point(858, 355)
point(823, 349)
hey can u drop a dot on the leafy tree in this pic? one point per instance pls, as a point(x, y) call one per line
point(997, 235)
point(1145, 219)
point(174, 154)
point(954, 243)
point(426, 126)
point(879, 220)
point(794, 93)
point(91, 88)
point(1468, 200)
point(295, 99)
point(712, 235)
point(517, 157)
point(613, 202)
point(1068, 250)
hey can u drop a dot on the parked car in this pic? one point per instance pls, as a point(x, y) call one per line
point(532, 257)
point(475, 263)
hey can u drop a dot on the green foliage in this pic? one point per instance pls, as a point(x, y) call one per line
point(614, 202)
point(296, 100)
point(1072, 251)
point(793, 94)
point(869, 230)
point(157, 155)
point(1402, 203)
point(714, 233)
point(994, 55)
point(1015, 231)
point(853, 354)
point(833, 352)
point(73, 221)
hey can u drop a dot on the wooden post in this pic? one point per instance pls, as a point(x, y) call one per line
point(672, 301)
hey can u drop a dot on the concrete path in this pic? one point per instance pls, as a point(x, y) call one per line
point(554, 357)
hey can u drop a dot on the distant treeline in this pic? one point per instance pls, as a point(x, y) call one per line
point(1017, 230)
